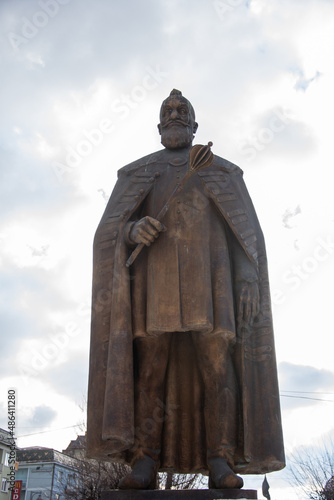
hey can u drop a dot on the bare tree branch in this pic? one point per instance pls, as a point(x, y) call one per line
point(312, 470)
point(91, 477)
point(171, 481)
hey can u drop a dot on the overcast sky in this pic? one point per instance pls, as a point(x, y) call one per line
point(81, 87)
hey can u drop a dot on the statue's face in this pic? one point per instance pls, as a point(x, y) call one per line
point(177, 125)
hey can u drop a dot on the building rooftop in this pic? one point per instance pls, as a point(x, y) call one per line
point(77, 444)
point(41, 454)
point(5, 436)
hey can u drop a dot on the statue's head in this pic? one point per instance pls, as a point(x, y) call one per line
point(177, 121)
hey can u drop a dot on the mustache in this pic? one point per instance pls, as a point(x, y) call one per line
point(175, 122)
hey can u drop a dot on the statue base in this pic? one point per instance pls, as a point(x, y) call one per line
point(178, 494)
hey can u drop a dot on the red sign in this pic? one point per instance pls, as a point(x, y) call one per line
point(16, 495)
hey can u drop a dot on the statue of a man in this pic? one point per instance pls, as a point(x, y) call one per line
point(182, 368)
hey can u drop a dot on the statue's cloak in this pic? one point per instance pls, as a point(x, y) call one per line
point(110, 427)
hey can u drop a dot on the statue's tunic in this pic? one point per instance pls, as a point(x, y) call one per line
point(227, 235)
point(183, 281)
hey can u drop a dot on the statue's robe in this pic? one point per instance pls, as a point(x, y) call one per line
point(117, 317)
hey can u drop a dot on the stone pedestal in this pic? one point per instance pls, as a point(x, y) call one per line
point(178, 494)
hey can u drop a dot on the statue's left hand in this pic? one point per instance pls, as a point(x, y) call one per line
point(248, 297)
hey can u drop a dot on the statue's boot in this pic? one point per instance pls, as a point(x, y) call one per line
point(142, 477)
point(221, 476)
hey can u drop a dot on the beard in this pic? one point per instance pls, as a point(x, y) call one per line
point(176, 137)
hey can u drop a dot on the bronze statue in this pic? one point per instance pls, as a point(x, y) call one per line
point(182, 366)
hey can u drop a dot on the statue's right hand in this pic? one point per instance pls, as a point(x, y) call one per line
point(146, 230)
